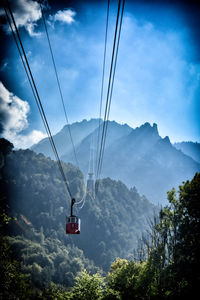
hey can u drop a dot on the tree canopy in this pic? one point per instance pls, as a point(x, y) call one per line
point(38, 260)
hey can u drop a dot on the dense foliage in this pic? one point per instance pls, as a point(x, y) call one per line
point(171, 268)
point(113, 222)
point(37, 198)
point(39, 262)
point(38, 203)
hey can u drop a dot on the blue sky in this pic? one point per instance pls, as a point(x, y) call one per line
point(157, 77)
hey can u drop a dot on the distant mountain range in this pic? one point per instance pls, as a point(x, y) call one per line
point(189, 148)
point(139, 157)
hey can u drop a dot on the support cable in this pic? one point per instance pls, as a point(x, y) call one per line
point(59, 86)
point(89, 167)
point(90, 170)
point(22, 59)
point(102, 82)
point(21, 56)
point(110, 85)
point(38, 101)
point(108, 91)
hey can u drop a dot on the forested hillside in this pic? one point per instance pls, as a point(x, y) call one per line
point(40, 262)
point(138, 157)
point(38, 204)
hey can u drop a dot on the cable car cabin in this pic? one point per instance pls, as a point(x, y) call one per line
point(73, 225)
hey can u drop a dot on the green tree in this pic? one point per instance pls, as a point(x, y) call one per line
point(88, 287)
point(126, 277)
point(174, 245)
point(186, 260)
point(55, 292)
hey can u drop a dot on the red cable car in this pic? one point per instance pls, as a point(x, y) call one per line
point(73, 223)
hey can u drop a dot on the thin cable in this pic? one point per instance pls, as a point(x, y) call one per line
point(83, 198)
point(113, 78)
point(59, 86)
point(79, 208)
point(108, 91)
point(102, 82)
point(90, 170)
point(21, 56)
point(110, 96)
point(38, 101)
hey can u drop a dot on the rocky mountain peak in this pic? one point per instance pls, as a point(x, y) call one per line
point(137, 156)
point(166, 140)
point(146, 131)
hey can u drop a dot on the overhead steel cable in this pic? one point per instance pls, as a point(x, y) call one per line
point(108, 91)
point(38, 101)
point(21, 56)
point(110, 86)
point(59, 86)
point(102, 82)
point(90, 170)
point(111, 90)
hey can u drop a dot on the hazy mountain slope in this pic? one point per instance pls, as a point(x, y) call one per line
point(79, 131)
point(142, 158)
point(115, 131)
point(189, 148)
point(149, 161)
point(111, 223)
point(138, 157)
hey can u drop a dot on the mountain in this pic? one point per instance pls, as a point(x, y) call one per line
point(139, 157)
point(38, 204)
point(189, 148)
point(114, 133)
point(79, 131)
point(150, 162)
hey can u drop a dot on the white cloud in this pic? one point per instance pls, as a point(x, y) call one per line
point(30, 27)
point(26, 141)
point(14, 119)
point(26, 13)
point(157, 78)
point(13, 114)
point(64, 16)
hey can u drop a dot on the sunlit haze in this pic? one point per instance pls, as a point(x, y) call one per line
point(157, 76)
